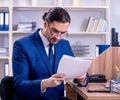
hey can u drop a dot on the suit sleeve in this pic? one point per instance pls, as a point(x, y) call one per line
point(23, 86)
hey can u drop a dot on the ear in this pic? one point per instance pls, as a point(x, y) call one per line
point(45, 23)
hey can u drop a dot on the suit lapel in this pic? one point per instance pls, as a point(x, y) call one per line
point(40, 47)
point(57, 57)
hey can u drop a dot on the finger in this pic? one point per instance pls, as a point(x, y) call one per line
point(82, 76)
point(59, 75)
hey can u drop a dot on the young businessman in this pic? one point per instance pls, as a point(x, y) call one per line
point(35, 78)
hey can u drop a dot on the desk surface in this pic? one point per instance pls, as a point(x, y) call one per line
point(82, 91)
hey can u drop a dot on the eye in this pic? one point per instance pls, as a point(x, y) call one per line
point(55, 31)
point(63, 33)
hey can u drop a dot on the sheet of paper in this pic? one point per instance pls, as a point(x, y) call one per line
point(73, 67)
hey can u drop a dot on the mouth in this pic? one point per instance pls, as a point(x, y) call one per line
point(54, 40)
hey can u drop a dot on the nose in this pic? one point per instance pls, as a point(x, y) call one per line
point(58, 37)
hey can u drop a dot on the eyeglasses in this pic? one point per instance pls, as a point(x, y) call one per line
point(57, 33)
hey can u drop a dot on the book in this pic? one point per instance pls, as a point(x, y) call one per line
point(89, 23)
point(104, 26)
point(97, 87)
point(60, 2)
point(99, 25)
point(6, 67)
point(94, 24)
point(76, 3)
point(6, 23)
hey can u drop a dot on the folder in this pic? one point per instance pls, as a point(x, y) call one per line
point(4, 21)
point(6, 24)
point(1, 21)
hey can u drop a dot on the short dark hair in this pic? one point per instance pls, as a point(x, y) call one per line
point(57, 14)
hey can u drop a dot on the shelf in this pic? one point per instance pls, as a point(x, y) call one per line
point(31, 7)
point(4, 32)
point(87, 33)
point(4, 8)
point(98, 8)
point(21, 32)
point(69, 33)
point(87, 7)
point(4, 57)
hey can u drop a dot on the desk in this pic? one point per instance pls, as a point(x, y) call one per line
point(80, 93)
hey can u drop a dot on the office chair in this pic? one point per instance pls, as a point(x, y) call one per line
point(6, 88)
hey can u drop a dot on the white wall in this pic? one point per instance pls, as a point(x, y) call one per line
point(115, 15)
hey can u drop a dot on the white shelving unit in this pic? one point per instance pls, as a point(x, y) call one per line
point(32, 10)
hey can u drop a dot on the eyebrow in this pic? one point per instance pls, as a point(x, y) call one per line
point(58, 30)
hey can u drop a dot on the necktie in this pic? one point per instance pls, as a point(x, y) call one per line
point(51, 56)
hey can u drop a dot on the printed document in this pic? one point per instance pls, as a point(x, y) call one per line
point(73, 67)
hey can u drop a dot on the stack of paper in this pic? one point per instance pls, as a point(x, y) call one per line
point(73, 67)
point(115, 85)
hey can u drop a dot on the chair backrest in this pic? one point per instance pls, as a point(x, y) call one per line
point(7, 88)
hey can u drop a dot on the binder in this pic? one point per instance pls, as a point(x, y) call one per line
point(6, 23)
point(114, 38)
point(1, 21)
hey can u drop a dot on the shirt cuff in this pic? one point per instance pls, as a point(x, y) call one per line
point(42, 91)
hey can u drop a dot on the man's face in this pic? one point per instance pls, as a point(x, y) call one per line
point(55, 31)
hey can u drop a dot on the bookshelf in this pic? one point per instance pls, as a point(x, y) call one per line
point(32, 11)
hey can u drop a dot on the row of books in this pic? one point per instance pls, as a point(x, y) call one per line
point(4, 21)
point(79, 49)
point(96, 24)
point(74, 3)
point(3, 51)
point(49, 2)
point(26, 26)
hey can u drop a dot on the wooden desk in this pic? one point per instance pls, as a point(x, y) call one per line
point(80, 93)
point(105, 63)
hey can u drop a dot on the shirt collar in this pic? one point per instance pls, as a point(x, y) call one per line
point(44, 39)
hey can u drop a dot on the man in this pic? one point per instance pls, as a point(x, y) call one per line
point(35, 78)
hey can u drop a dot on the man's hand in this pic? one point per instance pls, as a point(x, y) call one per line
point(53, 81)
point(82, 78)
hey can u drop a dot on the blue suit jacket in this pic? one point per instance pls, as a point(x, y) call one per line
point(31, 65)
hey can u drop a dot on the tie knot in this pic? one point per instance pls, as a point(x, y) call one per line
point(50, 45)
point(50, 49)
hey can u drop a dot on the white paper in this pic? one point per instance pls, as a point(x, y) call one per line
point(73, 67)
